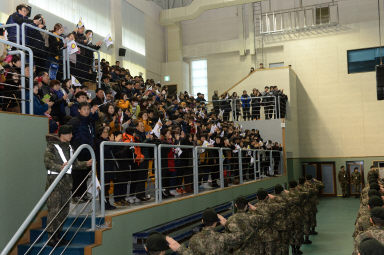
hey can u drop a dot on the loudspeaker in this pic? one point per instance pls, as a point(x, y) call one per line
point(122, 52)
point(380, 82)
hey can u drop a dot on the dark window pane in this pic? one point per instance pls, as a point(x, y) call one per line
point(363, 60)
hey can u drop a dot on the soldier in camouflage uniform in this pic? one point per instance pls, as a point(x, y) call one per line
point(297, 200)
point(283, 220)
point(308, 208)
point(157, 243)
point(57, 154)
point(343, 180)
point(363, 222)
point(241, 222)
point(375, 232)
point(210, 242)
point(315, 186)
point(373, 172)
point(356, 181)
point(269, 236)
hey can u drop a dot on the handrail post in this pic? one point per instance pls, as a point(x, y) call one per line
point(259, 163)
point(160, 185)
point(22, 74)
point(98, 69)
point(270, 161)
point(254, 164)
point(102, 180)
point(221, 162)
point(195, 172)
point(93, 220)
point(158, 192)
point(240, 167)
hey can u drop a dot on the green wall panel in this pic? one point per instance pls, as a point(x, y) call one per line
point(22, 172)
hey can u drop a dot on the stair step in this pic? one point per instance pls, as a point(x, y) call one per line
point(78, 222)
point(72, 249)
point(83, 236)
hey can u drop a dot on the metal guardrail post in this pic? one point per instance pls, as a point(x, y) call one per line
point(98, 69)
point(254, 164)
point(241, 167)
point(65, 54)
point(279, 104)
point(234, 109)
point(270, 160)
point(221, 162)
point(160, 182)
point(259, 163)
point(17, 30)
point(46, 195)
point(30, 61)
point(195, 172)
point(158, 192)
point(22, 75)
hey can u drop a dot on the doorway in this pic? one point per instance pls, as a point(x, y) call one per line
point(351, 165)
point(325, 172)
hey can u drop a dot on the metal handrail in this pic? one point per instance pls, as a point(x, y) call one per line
point(47, 193)
point(30, 60)
point(102, 172)
point(65, 52)
point(98, 66)
point(17, 30)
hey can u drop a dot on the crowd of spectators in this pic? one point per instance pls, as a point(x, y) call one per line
point(128, 108)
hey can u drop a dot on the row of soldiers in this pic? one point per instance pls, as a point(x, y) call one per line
point(369, 226)
point(269, 227)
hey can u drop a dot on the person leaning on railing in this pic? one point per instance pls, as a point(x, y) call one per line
point(19, 17)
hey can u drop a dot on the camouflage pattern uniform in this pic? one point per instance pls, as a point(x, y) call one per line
point(267, 233)
point(307, 207)
point(297, 199)
point(374, 232)
point(362, 223)
point(343, 180)
point(240, 223)
point(210, 242)
point(356, 181)
point(283, 221)
point(371, 172)
point(62, 193)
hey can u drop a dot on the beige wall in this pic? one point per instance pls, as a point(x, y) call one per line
point(337, 113)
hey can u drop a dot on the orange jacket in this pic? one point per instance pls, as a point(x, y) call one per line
point(131, 139)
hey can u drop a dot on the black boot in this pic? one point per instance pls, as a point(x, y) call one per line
point(307, 241)
point(53, 239)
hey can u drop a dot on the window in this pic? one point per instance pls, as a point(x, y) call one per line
point(363, 60)
point(278, 64)
point(95, 16)
point(322, 15)
point(199, 77)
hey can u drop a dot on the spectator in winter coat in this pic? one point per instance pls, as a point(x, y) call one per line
point(246, 104)
point(19, 17)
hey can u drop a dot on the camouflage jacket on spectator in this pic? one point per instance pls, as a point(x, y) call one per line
point(240, 223)
point(374, 232)
point(210, 242)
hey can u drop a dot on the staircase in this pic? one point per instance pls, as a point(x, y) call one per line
point(79, 231)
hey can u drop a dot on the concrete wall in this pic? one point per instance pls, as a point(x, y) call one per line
point(22, 171)
point(118, 240)
point(269, 129)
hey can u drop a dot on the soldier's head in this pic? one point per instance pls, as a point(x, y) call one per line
point(209, 217)
point(356, 169)
point(375, 201)
point(301, 180)
point(278, 189)
point(342, 168)
point(156, 244)
point(292, 184)
point(262, 194)
point(308, 177)
point(65, 133)
point(370, 246)
point(241, 203)
point(373, 192)
point(377, 216)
